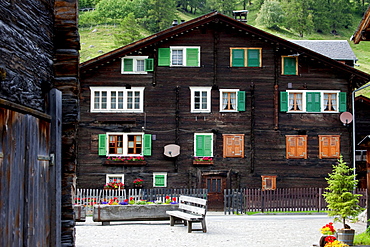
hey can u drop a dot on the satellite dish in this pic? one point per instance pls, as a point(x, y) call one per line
point(171, 150)
point(346, 118)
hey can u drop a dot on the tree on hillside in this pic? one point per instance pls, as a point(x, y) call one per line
point(224, 7)
point(119, 9)
point(129, 31)
point(298, 16)
point(330, 15)
point(87, 3)
point(271, 15)
point(160, 15)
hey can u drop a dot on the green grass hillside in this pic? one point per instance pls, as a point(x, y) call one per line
point(97, 40)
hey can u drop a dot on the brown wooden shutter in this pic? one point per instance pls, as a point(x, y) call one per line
point(296, 147)
point(233, 145)
point(329, 146)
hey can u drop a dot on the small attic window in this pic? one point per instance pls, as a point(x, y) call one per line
point(136, 65)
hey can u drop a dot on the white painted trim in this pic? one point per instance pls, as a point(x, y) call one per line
point(236, 99)
point(192, 99)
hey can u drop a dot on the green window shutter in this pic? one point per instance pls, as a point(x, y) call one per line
point(342, 101)
point(290, 66)
point(102, 144)
point(149, 64)
point(241, 101)
point(199, 145)
point(253, 57)
point(159, 180)
point(192, 57)
point(207, 145)
point(164, 56)
point(313, 102)
point(147, 145)
point(128, 64)
point(284, 101)
point(237, 58)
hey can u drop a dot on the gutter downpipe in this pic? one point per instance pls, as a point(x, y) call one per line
point(354, 128)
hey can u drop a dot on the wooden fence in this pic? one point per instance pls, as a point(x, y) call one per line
point(89, 197)
point(287, 199)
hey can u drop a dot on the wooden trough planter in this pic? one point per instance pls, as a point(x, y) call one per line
point(108, 213)
point(80, 213)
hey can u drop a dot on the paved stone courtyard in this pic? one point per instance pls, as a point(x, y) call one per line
point(223, 230)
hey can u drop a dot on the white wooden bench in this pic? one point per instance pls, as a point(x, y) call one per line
point(191, 209)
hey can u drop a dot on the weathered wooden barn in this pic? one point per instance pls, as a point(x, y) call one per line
point(39, 46)
point(214, 103)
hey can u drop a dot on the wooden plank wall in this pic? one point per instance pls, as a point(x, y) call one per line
point(67, 45)
point(24, 180)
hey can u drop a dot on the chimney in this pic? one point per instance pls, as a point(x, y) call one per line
point(240, 15)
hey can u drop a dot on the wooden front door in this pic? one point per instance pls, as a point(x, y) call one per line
point(215, 186)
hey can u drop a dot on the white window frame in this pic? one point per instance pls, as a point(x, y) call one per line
point(322, 92)
point(135, 59)
point(322, 103)
point(183, 48)
point(165, 179)
point(303, 100)
point(112, 89)
point(108, 176)
point(192, 99)
point(124, 143)
point(195, 143)
point(236, 99)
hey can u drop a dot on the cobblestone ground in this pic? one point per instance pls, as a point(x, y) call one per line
point(223, 230)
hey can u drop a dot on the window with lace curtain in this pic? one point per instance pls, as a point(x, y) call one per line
point(232, 100)
point(308, 101)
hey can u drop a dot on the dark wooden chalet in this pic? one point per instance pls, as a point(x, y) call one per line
point(362, 110)
point(214, 103)
point(362, 32)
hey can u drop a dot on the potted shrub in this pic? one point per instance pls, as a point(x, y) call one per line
point(138, 183)
point(342, 202)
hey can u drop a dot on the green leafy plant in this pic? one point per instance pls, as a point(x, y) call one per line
point(342, 202)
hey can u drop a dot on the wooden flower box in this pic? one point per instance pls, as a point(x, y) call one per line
point(203, 163)
point(124, 163)
point(108, 213)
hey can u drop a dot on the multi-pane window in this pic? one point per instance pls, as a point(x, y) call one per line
point(134, 144)
point(200, 99)
point(329, 146)
point(330, 102)
point(289, 65)
point(117, 99)
point(233, 145)
point(160, 179)
point(114, 178)
point(245, 57)
point(268, 182)
point(125, 144)
point(203, 145)
point(179, 56)
point(313, 101)
point(295, 102)
point(296, 146)
point(115, 144)
point(232, 100)
point(137, 65)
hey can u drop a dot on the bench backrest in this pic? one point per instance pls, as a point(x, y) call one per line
point(193, 205)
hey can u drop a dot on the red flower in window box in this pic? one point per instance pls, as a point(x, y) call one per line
point(203, 161)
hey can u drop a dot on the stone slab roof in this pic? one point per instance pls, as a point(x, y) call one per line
point(334, 49)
